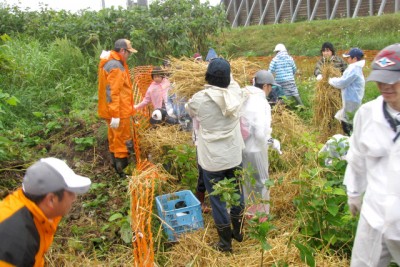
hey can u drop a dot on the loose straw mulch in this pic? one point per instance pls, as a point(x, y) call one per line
point(189, 76)
point(157, 141)
point(194, 249)
point(289, 129)
point(327, 101)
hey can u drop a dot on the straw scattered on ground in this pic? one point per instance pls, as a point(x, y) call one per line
point(157, 141)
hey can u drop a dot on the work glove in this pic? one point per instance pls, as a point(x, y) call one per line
point(170, 113)
point(319, 77)
point(114, 123)
point(275, 144)
point(354, 204)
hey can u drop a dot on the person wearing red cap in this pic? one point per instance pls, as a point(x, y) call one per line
point(29, 217)
point(115, 104)
point(372, 177)
point(352, 86)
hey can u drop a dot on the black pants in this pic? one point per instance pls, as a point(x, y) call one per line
point(200, 180)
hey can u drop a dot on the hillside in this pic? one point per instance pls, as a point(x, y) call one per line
point(305, 38)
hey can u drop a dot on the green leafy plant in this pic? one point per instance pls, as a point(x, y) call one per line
point(322, 213)
point(227, 190)
point(124, 225)
point(181, 161)
point(81, 144)
point(259, 230)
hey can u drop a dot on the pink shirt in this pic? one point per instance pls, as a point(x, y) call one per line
point(157, 94)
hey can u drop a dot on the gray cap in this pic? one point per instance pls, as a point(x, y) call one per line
point(265, 77)
point(219, 67)
point(386, 65)
point(124, 44)
point(50, 175)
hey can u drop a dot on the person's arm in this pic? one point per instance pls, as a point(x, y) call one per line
point(116, 80)
point(193, 105)
point(146, 100)
point(294, 68)
point(344, 81)
point(166, 86)
point(19, 239)
point(318, 67)
point(355, 178)
point(272, 66)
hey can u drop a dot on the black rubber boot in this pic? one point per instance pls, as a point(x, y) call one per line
point(225, 238)
point(120, 165)
point(237, 223)
point(112, 159)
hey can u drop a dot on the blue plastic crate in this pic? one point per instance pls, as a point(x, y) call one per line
point(180, 212)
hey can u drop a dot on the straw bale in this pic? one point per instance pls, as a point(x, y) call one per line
point(327, 101)
point(156, 141)
point(189, 76)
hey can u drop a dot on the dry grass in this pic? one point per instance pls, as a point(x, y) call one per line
point(290, 130)
point(327, 101)
point(157, 141)
point(194, 249)
point(189, 76)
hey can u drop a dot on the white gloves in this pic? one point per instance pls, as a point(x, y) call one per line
point(135, 106)
point(170, 113)
point(114, 123)
point(354, 204)
point(319, 77)
point(275, 144)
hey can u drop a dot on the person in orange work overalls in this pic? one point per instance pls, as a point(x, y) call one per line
point(115, 103)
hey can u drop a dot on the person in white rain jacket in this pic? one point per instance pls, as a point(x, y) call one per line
point(372, 175)
point(256, 132)
point(352, 84)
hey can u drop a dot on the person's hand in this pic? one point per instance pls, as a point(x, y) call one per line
point(319, 77)
point(114, 123)
point(135, 106)
point(354, 204)
point(275, 144)
point(170, 113)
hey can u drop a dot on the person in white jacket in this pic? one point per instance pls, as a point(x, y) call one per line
point(372, 176)
point(256, 132)
point(220, 144)
point(352, 84)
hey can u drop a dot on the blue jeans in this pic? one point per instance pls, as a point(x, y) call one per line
point(219, 211)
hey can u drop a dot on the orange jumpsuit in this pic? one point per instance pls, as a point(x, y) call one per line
point(116, 101)
point(25, 232)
